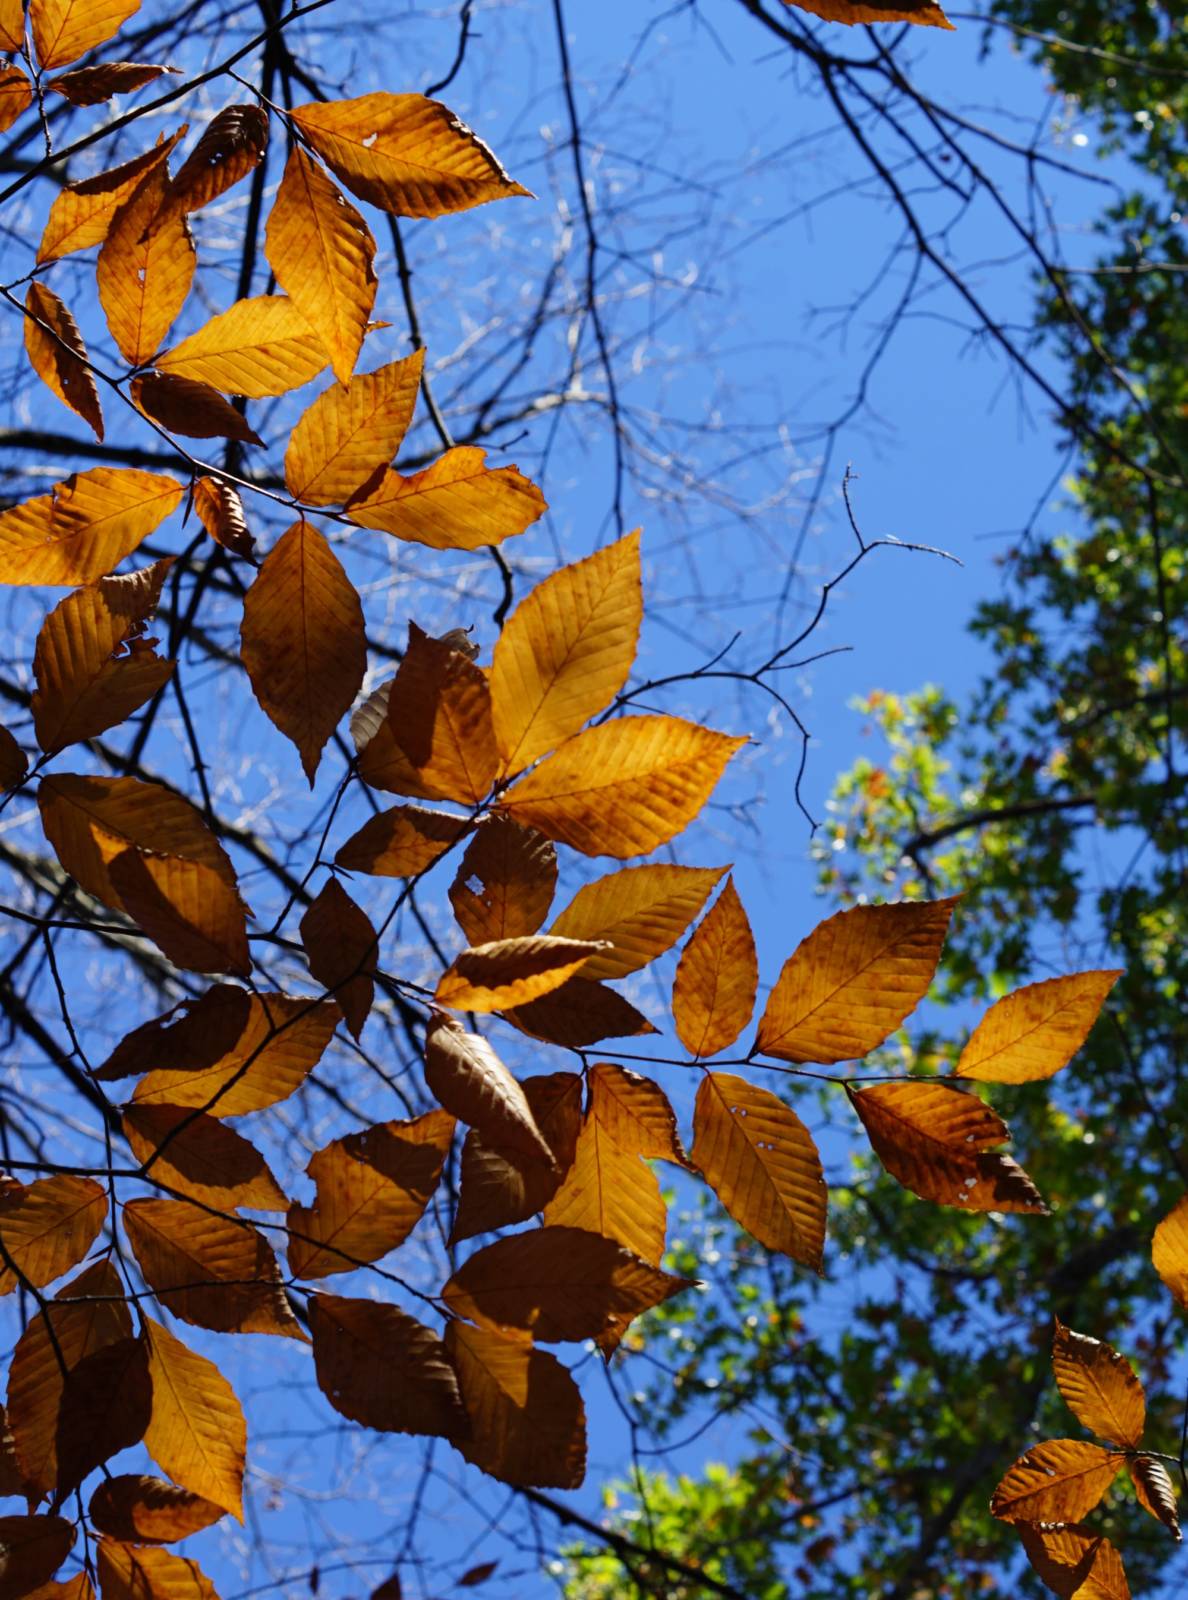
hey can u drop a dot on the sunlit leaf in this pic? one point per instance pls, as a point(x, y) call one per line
point(505, 882)
point(16, 96)
point(186, 908)
point(1035, 1031)
point(1076, 1563)
point(191, 1037)
point(641, 911)
point(220, 511)
point(1058, 1481)
point(12, 24)
point(717, 978)
point(342, 949)
point(1099, 1386)
point(349, 434)
point(258, 347)
point(81, 214)
point(201, 1157)
point(63, 30)
point(400, 842)
point(47, 1227)
point(232, 144)
point(1155, 1492)
point(146, 1510)
point(511, 972)
point(130, 1573)
point(380, 1367)
point(925, 13)
point(197, 1435)
point(439, 712)
point(145, 268)
point(85, 526)
point(57, 353)
point(458, 503)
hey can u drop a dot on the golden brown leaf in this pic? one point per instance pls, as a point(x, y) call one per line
point(16, 96)
point(81, 214)
point(853, 980)
point(31, 1551)
point(939, 1143)
point(129, 1573)
point(349, 434)
point(146, 1510)
point(14, 763)
point(400, 842)
point(466, 1077)
point(1169, 1251)
point(641, 911)
point(12, 24)
point(557, 1284)
point(85, 526)
point(57, 353)
point(87, 1315)
point(565, 652)
point(197, 1435)
point(439, 712)
point(510, 972)
point(527, 1421)
point(625, 788)
point(202, 1158)
point(501, 1186)
point(717, 978)
point(191, 1037)
point(373, 1188)
point(458, 503)
point(1037, 1030)
point(1099, 1386)
point(220, 511)
point(282, 1042)
point(759, 1159)
point(505, 882)
point(232, 144)
point(63, 30)
point(184, 406)
point(91, 86)
point(186, 908)
point(382, 762)
point(256, 348)
point(380, 1367)
point(213, 1271)
point(93, 663)
point(1155, 1492)
point(107, 1400)
point(925, 13)
point(303, 640)
point(11, 1482)
point(578, 1014)
point(342, 949)
point(404, 153)
point(47, 1227)
point(635, 1113)
point(145, 268)
point(1076, 1563)
point(322, 252)
point(1058, 1481)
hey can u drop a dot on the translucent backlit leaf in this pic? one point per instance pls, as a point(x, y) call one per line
point(458, 503)
point(349, 434)
point(187, 909)
point(85, 526)
point(256, 348)
point(194, 409)
point(439, 713)
point(63, 30)
point(717, 978)
point(220, 511)
point(1076, 1563)
point(129, 1573)
point(47, 1227)
point(1035, 1031)
point(1099, 1387)
point(505, 882)
point(640, 911)
point(197, 1435)
point(1155, 1492)
point(189, 1038)
point(145, 268)
point(578, 1014)
point(16, 96)
point(81, 214)
point(925, 13)
point(91, 86)
point(511, 972)
point(57, 353)
point(138, 1509)
point(400, 842)
point(1058, 1481)
point(201, 1157)
point(466, 1077)
point(501, 1185)
point(232, 144)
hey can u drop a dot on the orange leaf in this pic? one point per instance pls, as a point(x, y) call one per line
point(400, 842)
point(1076, 1563)
point(466, 1076)
point(640, 911)
point(202, 1158)
point(85, 526)
point(197, 1435)
point(501, 1186)
point(47, 1227)
point(1169, 1251)
point(1058, 1481)
point(191, 1037)
point(91, 86)
point(458, 503)
point(853, 980)
point(439, 712)
point(510, 972)
point(342, 949)
point(128, 1573)
point(716, 978)
point(58, 355)
point(1037, 1030)
point(404, 153)
point(1155, 1492)
point(303, 640)
point(187, 909)
point(382, 761)
point(220, 511)
point(349, 434)
point(145, 268)
point(181, 405)
point(63, 30)
point(256, 348)
point(322, 252)
point(923, 12)
point(527, 1422)
point(380, 1367)
point(505, 882)
point(16, 96)
point(1099, 1386)
point(81, 214)
point(147, 1510)
point(12, 24)
point(232, 144)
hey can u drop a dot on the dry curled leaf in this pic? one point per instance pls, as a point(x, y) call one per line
point(58, 355)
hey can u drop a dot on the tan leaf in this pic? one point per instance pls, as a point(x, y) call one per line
point(939, 1143)
point(31, 1551)
point(213, 1271)
point(14, 763)
point(1155, 1491)
point(187, 909)
point(128, 1573)
point(1169, 1251)
point(283, 1041)
point(47, 1227)
point(625, 788)
point(641, 911)
point(322, 252)
point(189, 1038)
point(501, 1186)
point(91, 86)
point(146, 1510)
point(56, 350)
point(12, 24)
point(373, 1188)
point(382, 1368)
point(527, 1421)
point(349, 434)
point(578, 1014)
point(220, 511)
point(404, 153)
point(81, 214)
point(93, 663)
point(1037, 1030)
point(466, 1077)
point(107, 1400)
point(400, 842)
point(853, 980)
point(505, 882)
point(716, 978)
point(145, 268)
point(184, 406)
point(87, 1315)
point(439, 712)
point(1058, 1481)
point(342, 949)
point(197, 1435)
point(256, 348)
point(511, 972)
point(63, 30)
point(232, 144)
point(565, 652)
point(16, 96)
point(1099, 1386)
point(202, 1158)
point(85, 526)
point(458, 503)
point(923, 12)
point(759, 1159)
point(303, 640)
point(1076, 1563)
